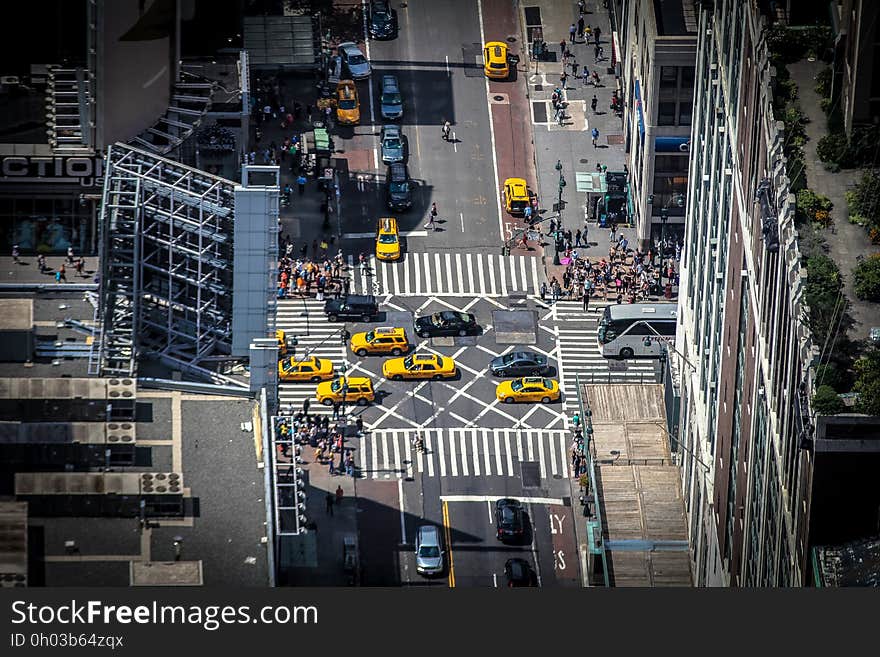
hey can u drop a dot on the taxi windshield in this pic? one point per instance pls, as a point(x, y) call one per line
point(347, 104)
point(369, 337)
point(408, 362)
point(336, 386)
point(387, 239)
point(547, 383)
point(516, 386)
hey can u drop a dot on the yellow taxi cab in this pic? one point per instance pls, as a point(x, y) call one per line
point(283, 342)
point(312, 369)
point(347, 105)
point(528, 389)
point(516, 196)
point(419, 366)
point(387, 239)
point(495, 63)
point(351, 390)
point(381, 340)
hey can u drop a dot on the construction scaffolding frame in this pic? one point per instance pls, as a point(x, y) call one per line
point(166, 234)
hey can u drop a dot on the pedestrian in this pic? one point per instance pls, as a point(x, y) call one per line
point(359, 423)
point(431, 223)
point(331, 465)
point(574, 67)
point(301, 184)
point(336, 410)
point(328, 501)
point(41, 262)
point(62, 273)
point(586, 297)
point(362, 260)
point(543, 291)
point(601, 53)
point(597, 33)
point(563, 79)
point(527, 214)
point(586, 76)
point(613, 230)
point(562, 49)
point(79, 267)
point(306, 403)
point(595, 135)
point(625, 171)
point(572, 33)
point(447, 127)
point(594, 103)
point(339, 494)
point(577, 237)
point(15, 253)
point(582, 6)
point(596, 53)
point(309, 112)
point(580, 29)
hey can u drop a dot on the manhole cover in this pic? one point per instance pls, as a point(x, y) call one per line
point(583, 161)
point(511, 39)
point(498, 98)
point(539, 87)
point(614, 140)
point(531, 474)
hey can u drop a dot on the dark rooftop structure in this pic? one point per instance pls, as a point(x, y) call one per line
point(675, 17)
point(851, 564)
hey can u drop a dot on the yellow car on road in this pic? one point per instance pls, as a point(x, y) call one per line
point(528, 389)
point(381, 340)
point(387, 239)
point(347, 105)
point(419, 366)
point(312, 369)
point(516, 196)
point(495, 62)
point(351, 390)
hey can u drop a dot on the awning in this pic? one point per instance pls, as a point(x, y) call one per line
point(639, 113)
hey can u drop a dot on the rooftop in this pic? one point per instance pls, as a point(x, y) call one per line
point(675, 17)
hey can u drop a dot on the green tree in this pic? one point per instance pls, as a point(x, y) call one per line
point(827, 402)
point(828, 375)
point(824, 295)
point(868, 382)
point(866, 278)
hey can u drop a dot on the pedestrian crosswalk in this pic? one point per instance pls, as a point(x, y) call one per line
point(578, 352)
point(304, 319)
point(454, 274)
point(473, 452)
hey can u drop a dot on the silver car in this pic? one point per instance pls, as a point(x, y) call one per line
point(392, 144)
point(354, 60)
point(429, 551)
point(390, 100)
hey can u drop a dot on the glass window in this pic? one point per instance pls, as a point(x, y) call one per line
point(669, 77)
point(688, 74)
point(685, 110)
point(666, 113)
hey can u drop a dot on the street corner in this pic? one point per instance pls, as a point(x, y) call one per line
point(575, 118)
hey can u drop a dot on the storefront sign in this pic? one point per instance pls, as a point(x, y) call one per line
point(672, 144)
point(85, 170)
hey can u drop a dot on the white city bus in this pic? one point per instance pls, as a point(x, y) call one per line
point(628, 330)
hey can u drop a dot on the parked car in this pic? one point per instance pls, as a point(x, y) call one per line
point(383, 20)
point(354, 60)
point(392, 144)
point(352, 306)
point(509, 519)
point(495, 61)
point(348, 111)
point(398, 187)
point(445, 323)
point(390, 100)
point(519, 363)
point(429, 551)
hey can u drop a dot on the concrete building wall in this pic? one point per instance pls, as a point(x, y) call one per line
point(860, 21)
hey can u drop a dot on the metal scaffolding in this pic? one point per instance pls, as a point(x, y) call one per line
point(166, 234)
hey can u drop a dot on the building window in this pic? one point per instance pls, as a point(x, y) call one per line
point(669, 77)
point(666, 113)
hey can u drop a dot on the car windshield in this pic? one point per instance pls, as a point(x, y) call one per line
point(408, 362)
point(347, 104)
point(400, 187)
point(357, 59)
point(516, 386)
point(507, 359)
point(498, 65)
point(336, 386)
point(547, 383)
point(392, 142)
point(436, 319)
point(369, 337)
point(392, 98)
point(429, 551)
point(387, 239)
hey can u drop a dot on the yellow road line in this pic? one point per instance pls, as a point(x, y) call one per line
point(447, 531)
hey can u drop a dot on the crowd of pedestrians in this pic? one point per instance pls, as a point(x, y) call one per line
point(324, 436)
point(305, 274)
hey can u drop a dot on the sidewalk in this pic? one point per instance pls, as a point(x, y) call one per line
point(26, 271)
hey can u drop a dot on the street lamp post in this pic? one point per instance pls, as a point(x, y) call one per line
point(556, 237)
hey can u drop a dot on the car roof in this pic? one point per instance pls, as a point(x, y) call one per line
point(507, 501)
point(393, 130)
point(425, 357)
point(387, 225)
point(360, 298)
point(387, 330)
point(534, 379)
point(397, 171)
point(389, 81)
point(348, 45)
point(357, 380)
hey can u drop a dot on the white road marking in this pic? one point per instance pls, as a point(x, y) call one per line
point(564, 456)
point(552, 451)
point(430, 448)
point(491, 269)
point(541, 458)
point(402, 511)
point(464, 453)
point(461, 216)
point(449, 283)
point(427, 260)
point(453, 461)
point(406, 276)
point(491, 498)
point(362, 455)
point(476, 452)
point(375, 456)
point(489, 509)
point(408, 456)
point(396, 271)
point(386, 464)
point(470, 270)
point(442, 455)
point(531, 447)
point(480, 272)
point(498, 454)
point(486, 455)
point(420, 459)
point(491, 127)
point(495, 579)
point(458, 270)
point(397, 463)
point(503, 270)
point(507, 451)
point(519, 450)
point(535, 552)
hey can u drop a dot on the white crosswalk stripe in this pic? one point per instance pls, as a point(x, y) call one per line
point(304, 320)
point(578, 352)
point(386, 453)
point(448, 275)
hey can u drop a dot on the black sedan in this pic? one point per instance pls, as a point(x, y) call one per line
point(509, 521)
point(383, 20)
point(445, 323)
point(519, 363)
point(518, 572)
